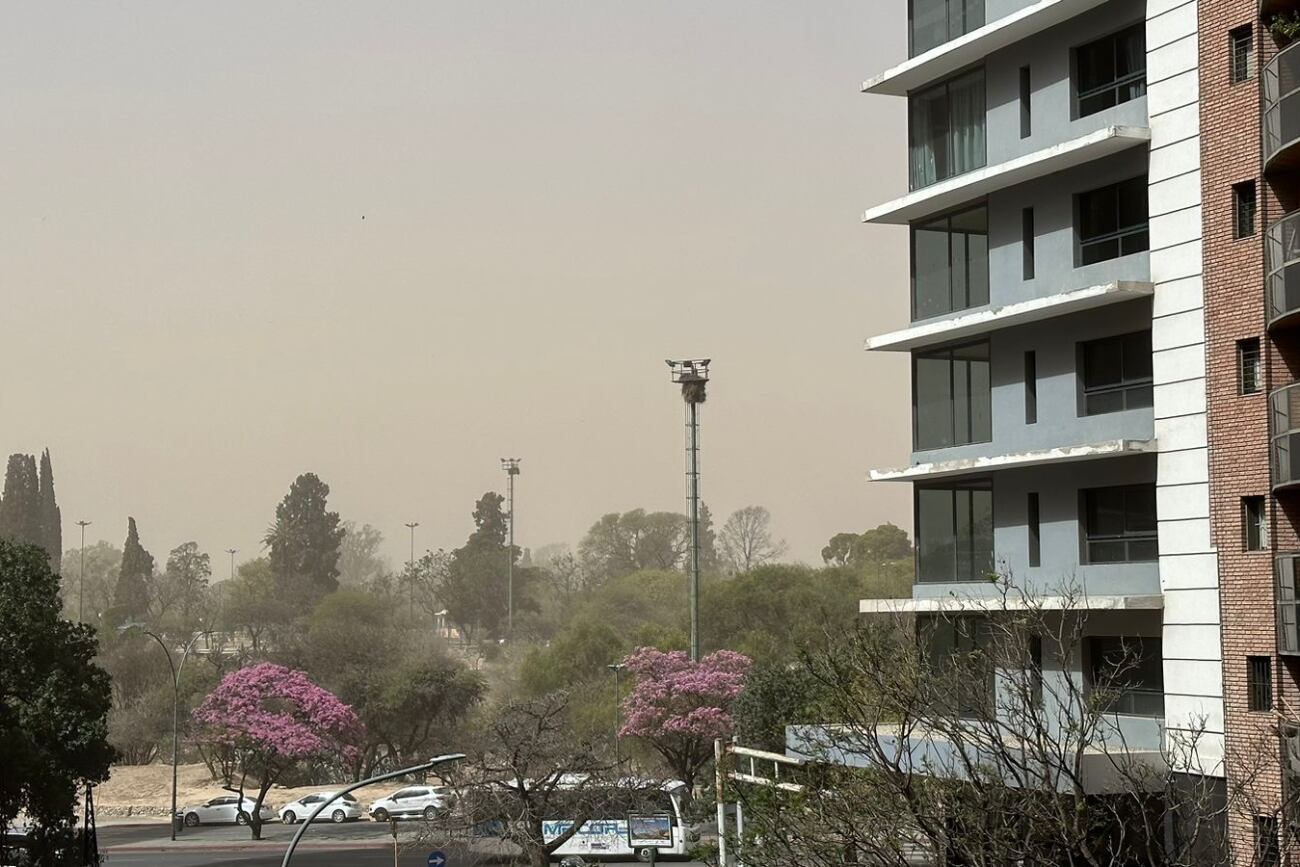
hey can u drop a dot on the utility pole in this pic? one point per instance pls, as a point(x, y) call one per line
point(81, 580)
point(617, 667)
point(231, 552)
point(693, 375)
point(511, 466)
point(410, 571)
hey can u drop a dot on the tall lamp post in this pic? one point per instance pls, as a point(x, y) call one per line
point(511, 466)
point(410, 572)
point(617, 668)
point(176, 696)
point(231, 552)
point(693, 375)
point(81, 580)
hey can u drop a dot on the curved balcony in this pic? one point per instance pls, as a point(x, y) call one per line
point(1281, 107)
point(1284, 436)
point(1282, 270)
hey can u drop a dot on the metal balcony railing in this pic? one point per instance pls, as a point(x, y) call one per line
point(1284, 435)
point(1281, 107)
point(1282, 268)
point(1288, 625)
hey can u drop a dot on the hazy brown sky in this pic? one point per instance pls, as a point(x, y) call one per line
point(393, 242)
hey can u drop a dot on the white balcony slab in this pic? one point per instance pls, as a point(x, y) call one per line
point(980, 182)
point(963, 325)
point(960, 604)
point(970, 466)
point(942, 60)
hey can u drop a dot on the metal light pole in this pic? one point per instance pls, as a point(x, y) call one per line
point(511, 466)
point(410, 572)
point(231, 552)
point(176, 697)
point(693, 375)
point(617, 668)
point(418, 769)
point(81, 580)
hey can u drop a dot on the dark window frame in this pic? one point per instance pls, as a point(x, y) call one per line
point(1034, 527)
point(1138, 545)
point(1259, 683)
point(1267, 850)
point(1128, 239)
point(1124, 672)
point(1242, 60)
point(975, 22)
point(1245, 210)
point(1254, 523)
point(1026, 103)
point(967, 77)
point(1027, 244)
point(1135, 387)
point(1118, 89)
point(1250, 367)
point(973, 436)
point(1031, 387)
point(970, 262)
point(974, 568)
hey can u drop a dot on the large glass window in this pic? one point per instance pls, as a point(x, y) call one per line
point(1130, 670)
point(1117, 373)
point(954, 532)
point(952, 397)
point(934, 22)
point(959, 655)
point(1113, 221)
point(1119, 524)
point(1112, 70)
point(946, 129)
point(950, 263)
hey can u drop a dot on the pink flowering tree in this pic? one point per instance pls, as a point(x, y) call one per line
point(679, 707)
point(266, 719)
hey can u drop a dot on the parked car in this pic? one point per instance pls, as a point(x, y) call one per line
point(340, 810)
point(224, 810)
point(413, 802)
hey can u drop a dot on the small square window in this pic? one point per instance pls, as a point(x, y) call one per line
point(1241, 54)
point(1243, 209)
point(1259, 682)
point(1254, 523)
point(1250, 379)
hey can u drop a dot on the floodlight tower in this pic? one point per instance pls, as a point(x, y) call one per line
point(511, 467)
point(693, 375)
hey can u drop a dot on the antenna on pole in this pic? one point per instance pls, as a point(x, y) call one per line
point(511, 467)
point(693, 376)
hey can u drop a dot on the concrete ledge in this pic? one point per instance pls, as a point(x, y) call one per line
point(983, 321)
point(980, 182)
point(960, 604)
point(944, 59)
point(969, 466)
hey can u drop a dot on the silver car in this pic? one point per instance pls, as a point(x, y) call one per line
point(224, 810)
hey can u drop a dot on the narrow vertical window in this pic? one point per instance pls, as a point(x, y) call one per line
point(1243, 209)
point(1254, 523)
point(1249, 373)
point(1033, 525)
point(1241, 54)
point(1027, 242)
point(1267, 852)
point(1259, 682)
point(1026, 118)
point(1031, 388)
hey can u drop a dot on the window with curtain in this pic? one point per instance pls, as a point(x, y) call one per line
point(934, 22)
point(954, 532)
point(1119, 524)
point(952, 397)
point(1111, 70)
point(950, 263)
point(946, 129)
point(1112, 221)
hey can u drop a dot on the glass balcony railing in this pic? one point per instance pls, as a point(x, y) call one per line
point(1282, 268)
point(1288, 625)
point(1281, 107)
point(1284, 433)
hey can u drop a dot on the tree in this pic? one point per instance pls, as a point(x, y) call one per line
point(20, 507)
point(360, 557)
point(252, 605)
point(529, 766)
point(839, 550)
point(709, 562)
point(581, 653)
point(268, 719)
point(54, 704)
point(131, 598)
point(51, 516)
point(618, 545)
point(474, 588)
point(305, 541)
point(103, 564)
point(679, 707)
point(882, 544)
point(183, 586)
point(747, 539)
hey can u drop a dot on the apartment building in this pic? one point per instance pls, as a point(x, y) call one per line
point(1105, 293)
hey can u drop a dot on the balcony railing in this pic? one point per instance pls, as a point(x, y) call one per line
point(1281, 119)
point(1284, 432)
point(1288, 625)
point(1282, 268)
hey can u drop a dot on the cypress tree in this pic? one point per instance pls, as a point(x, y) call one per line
point(20, 508)
point(51, 517)
point(131, 597)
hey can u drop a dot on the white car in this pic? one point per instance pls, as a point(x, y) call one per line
point(413, 802)
point(340, 810)
point(223, 811)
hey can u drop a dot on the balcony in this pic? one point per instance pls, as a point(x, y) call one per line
point(1284, 434)
point(1282, 270)
point(1281, 109)
point(1288, 626)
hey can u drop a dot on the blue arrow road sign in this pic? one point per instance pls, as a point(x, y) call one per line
point(437, 859)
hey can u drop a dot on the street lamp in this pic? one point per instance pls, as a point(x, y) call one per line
point(617, 668)
point(511, 466)
point(418, 769)
point(231, 552)
point(176, 696)
point(693, 376)
point(410, 571)
point(81, 580)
